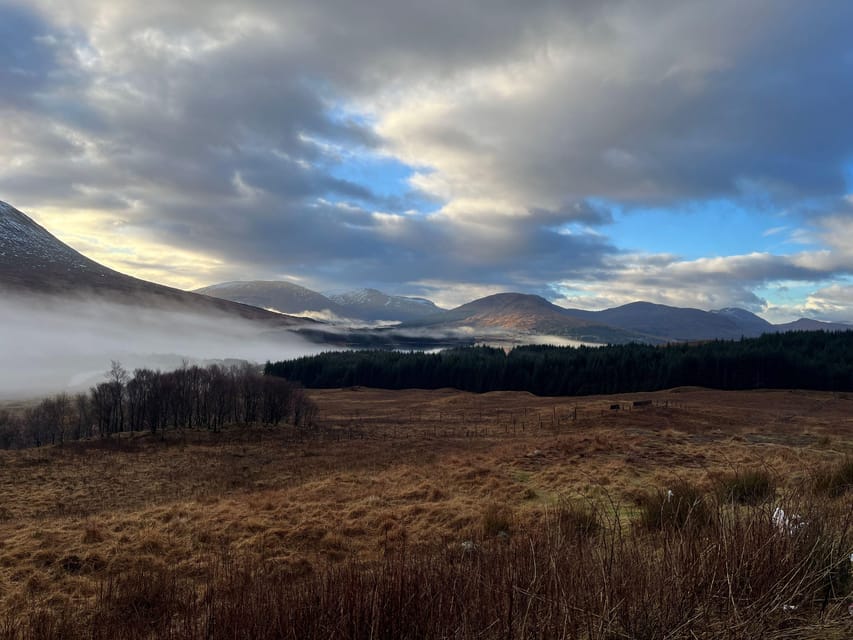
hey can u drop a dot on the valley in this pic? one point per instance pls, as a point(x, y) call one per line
point(98, 528)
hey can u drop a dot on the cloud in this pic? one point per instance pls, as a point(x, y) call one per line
point(832, 303)
point(705, 283)
point(50, 345)
point(221, 138)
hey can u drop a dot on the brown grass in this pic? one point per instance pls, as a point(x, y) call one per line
point(105, 529)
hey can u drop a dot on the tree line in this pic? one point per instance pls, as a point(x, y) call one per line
point(805, 360)
point(190, 397)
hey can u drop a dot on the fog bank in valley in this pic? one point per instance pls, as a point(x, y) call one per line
point(48, 345)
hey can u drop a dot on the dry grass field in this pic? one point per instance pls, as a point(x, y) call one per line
point(385, 472)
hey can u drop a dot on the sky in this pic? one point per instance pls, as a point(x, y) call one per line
point(595, 152)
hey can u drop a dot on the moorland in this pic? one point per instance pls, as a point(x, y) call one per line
point(444, 514)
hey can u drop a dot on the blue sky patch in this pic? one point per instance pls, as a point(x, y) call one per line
point(707, 229)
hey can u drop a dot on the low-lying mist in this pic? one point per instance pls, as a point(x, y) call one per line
point(49, 345)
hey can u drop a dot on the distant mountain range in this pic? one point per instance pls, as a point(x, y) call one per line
point(519, 313)
point(508, 315)
point(32, 261)
point(367, 305)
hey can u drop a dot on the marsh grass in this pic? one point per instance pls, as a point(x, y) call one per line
point(575, 519)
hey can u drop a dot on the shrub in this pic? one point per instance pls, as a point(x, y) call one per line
point(742, 579)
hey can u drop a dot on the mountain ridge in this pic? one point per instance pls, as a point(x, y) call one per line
point(281, 296)
point(35, 262)
point(371, 304)
point(367, 305)
point(529, 314)
point(635, 321)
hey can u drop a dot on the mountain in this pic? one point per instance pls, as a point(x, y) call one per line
point(678, 324)
point(34, 262)
point(370, 304)
point(516, 313)
point(751, 324)
point(280, 295)
point(367, 305)
point(666, 323)
point(522, 314)
point(808, 324)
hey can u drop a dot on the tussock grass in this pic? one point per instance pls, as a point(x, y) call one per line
point(834, 479)
point(497, 519)
point(574, 519)
point(681, 505)
point(749, 486)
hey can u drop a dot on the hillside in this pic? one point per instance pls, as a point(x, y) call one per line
point(633, 322)
point(368, 305)
point(808, 324)
point(278, 295)
point(677, 324)
point(34, 262)
point(374, 305)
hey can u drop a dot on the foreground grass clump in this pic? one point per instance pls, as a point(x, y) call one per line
point(751, 486)
point(497, 520)
point(681, 505)
point(574, 519)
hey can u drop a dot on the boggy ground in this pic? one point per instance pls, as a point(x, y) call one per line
point(384, 470)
